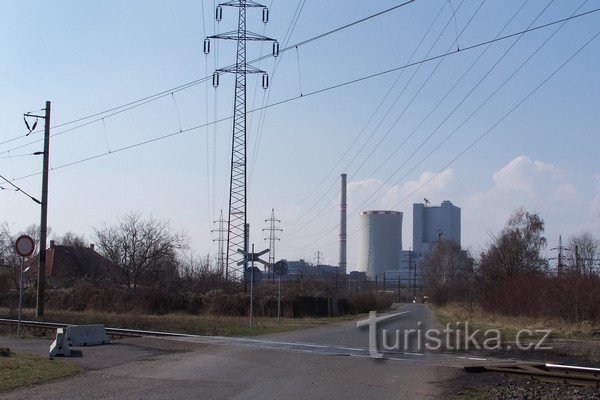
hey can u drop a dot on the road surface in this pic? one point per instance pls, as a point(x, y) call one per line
point(329, 362)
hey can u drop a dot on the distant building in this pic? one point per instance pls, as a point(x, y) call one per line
point(67, 264)
point(381, 242)
point(357, 276)
point(301, 267)
point(434, 223)
point(430, 225)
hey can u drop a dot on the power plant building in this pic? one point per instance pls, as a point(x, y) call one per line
point(430, 225)
point(381, 242)
point(380, 254)
point(434, 223)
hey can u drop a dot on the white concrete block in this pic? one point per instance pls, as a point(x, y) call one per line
point(86, 335)
point(60, 347)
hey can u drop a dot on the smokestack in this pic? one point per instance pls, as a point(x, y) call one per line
point(343, 263)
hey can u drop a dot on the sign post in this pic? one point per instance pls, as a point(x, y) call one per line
point(252, 274)
point(24, 246)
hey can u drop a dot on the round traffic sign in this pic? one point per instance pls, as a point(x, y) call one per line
point(280, 268)
point(253, 274)
point(24, 245)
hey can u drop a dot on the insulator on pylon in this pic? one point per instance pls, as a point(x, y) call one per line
point(265, 16)
point(206, 46)
point(265, 81)
point(219, 13)
point(216, 79)
point(275, 48)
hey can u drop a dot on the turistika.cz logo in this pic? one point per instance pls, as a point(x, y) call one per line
point(459, 337)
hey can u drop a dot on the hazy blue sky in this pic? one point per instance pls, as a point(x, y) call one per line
point(87, 57)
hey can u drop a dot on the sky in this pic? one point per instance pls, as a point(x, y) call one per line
point(494, 127)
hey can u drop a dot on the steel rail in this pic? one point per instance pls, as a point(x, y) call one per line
point(574, 375)
point(112, 331)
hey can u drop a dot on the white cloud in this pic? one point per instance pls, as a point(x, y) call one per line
point(414, 191)
point(537, 186)
point(531, 178)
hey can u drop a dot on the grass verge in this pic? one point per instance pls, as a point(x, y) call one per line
point(19, 370)
point(479, 319)
point(472, 394)
point(183, 323)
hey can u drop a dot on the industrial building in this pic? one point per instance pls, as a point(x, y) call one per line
point(380, 253)
point(381, 242)
point(434, 223)
point(430, 225)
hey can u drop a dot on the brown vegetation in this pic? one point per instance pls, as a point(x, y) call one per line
point(511, 276)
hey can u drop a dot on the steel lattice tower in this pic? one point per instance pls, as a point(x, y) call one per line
point(236, 225)
point(272, 229)
point(221, 243)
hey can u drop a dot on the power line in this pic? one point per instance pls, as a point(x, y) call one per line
point(462, 102)
point(318, 91)
point(489, 42)
point(472, 144)
point(477, 109)
point(18, 189)
point(315, 216)
point(390, 108)
point(136, 103)
point(418, 91)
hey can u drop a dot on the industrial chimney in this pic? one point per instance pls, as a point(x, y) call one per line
point(343, 226)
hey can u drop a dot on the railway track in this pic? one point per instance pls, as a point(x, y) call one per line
point(113, 332)
point(573, 375)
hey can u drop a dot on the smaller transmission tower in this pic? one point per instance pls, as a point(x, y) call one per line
point(221, 230)
point(272, 229)
point(560, 264)
point(318, 255)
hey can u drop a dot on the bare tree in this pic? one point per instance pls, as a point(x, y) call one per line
point(446, 269)
point(140, 248)
point(516, 251)
point(71, 239)
point(9, 261)
point(584, 252)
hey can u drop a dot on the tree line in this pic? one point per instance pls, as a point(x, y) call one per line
point(511, 275)
point(153, 270)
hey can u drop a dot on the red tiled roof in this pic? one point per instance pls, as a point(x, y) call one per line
point(66, 262)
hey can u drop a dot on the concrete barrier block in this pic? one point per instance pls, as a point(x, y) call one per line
point(86, 335)
point(60, 347)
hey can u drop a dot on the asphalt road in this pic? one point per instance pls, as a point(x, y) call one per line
point(330, 362)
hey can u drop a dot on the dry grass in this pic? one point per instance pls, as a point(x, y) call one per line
point(510, 325)
point(19, 370)
point(182, 323)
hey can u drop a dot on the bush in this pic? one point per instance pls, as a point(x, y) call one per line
point(369, 301)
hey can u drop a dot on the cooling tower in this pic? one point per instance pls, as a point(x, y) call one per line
point(381, 242)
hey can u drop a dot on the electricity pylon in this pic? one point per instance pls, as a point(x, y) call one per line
point(237, 220)
point(220, 243)
point(272, 229)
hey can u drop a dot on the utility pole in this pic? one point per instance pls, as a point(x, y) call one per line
point(237, 219)
point(220, 243)
point(41, 281)
point(343, 225)
point(415, 283)
point(272, 229)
